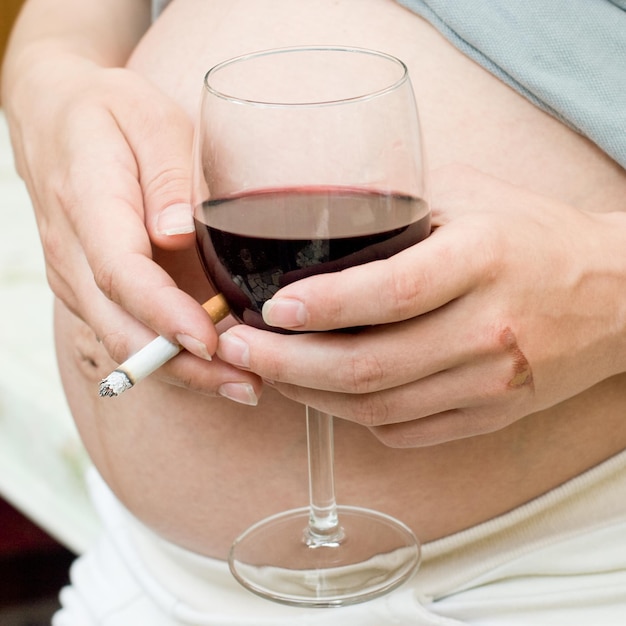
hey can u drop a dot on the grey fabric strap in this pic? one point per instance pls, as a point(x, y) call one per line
point(566, 56)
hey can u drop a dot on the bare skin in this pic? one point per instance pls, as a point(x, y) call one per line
point(199, 469)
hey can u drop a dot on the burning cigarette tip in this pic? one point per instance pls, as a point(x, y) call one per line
point(114, 384)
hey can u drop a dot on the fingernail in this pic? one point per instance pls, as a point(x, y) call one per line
point(233, 350)
point(239, 392)
point(195, 346)
point(284, 312)
point(176, 219)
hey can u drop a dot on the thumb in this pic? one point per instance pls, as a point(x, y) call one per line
point(163, 153)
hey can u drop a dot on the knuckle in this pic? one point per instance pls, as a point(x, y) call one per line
point(53, 246)
point(104, 277)
point(491, 249)
point(404, 286)
point(361, 373)
point(389, 437)
point(117, 345)
point(484, 420)
point(271, 369)
point(61, 289)
point(370, 410)
point(495, 338)
point(266, 363)
point(479, 421)
point(399, 436)
point(162, 182)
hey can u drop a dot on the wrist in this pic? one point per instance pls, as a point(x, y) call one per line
point(34, 71)
point(104, 33)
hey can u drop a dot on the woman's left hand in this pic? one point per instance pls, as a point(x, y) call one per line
point(507, 308)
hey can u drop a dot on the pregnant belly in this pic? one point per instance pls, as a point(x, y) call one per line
point(199, 470)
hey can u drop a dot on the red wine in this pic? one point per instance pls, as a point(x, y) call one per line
point(253, 244)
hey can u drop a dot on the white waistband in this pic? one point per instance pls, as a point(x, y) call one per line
point(199, 590)
point(593, 500)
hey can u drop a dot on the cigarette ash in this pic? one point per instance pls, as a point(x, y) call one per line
point(114, 384)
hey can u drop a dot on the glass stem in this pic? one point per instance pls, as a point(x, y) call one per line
point(324, 526)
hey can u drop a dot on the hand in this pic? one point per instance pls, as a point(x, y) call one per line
point(508, 307)
point(106, 159)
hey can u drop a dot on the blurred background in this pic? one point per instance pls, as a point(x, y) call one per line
point(45, 516)
point(8, 12)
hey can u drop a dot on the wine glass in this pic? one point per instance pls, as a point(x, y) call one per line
point(309, 160)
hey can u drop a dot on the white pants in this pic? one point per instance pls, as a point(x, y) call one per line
point(559, 560)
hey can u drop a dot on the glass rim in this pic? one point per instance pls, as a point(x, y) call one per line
point(404, 75)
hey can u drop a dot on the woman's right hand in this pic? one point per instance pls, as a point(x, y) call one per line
point(106, 159)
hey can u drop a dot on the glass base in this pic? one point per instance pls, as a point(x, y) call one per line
point(280, 559)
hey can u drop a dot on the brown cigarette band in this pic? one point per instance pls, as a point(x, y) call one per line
point(217, 308)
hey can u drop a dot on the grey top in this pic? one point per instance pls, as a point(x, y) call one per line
point(567, 56)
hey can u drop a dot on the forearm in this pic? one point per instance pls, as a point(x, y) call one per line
point(104, 33)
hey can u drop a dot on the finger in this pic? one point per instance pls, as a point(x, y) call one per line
point(488, 384)
point(148, 294)
point(185, 371)
point(440, 428)
point(163, 145)
point(122, 335)
point(214, 379)
point(106, 209)
point(71, 279)
point(119, 331)
point(415, 281)
point(377, 358)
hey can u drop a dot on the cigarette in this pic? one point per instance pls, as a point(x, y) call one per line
point(158, 352)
